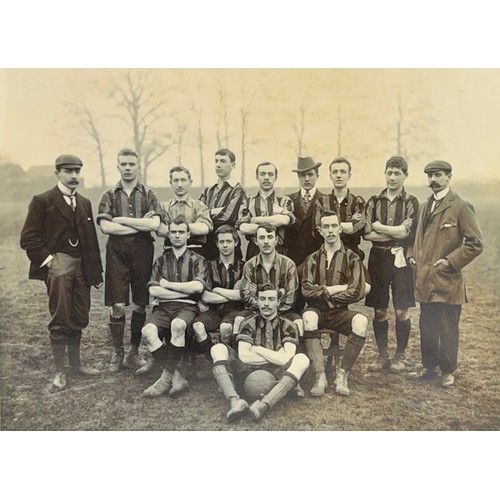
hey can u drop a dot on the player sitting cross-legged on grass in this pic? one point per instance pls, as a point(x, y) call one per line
point(268, 342)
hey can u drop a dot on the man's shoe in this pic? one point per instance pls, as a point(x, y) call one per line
point(238, 409)
point(398, 364)
point(320, 385)
point(341, 383)
point(428, 374)
point(160, 387)
point(149, 367)
point(380, 365)
point(298, 391)
point(85, 370)
point(179, 385)
point(132, 360)
point(448, 380)
point(257, 409)
point(59, 382)
point(116, 360)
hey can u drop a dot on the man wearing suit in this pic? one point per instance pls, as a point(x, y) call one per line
point(447, 239)
point(60, 239)
point(299, 236)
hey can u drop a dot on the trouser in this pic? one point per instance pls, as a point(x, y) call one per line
point(69, 293)
point(439, 335)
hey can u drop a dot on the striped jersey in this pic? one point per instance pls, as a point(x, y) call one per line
point(231, 198)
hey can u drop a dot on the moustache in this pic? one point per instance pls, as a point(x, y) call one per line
point(433, 184)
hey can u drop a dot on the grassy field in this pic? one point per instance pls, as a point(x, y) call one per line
point(114, 402)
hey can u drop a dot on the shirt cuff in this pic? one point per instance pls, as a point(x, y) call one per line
point(47, 260)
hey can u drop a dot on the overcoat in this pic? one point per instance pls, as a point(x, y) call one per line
point(450, 232)
point(299, 240)
point(48, 218)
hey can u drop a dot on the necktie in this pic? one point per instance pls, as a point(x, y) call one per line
point(307, 198)
point(72, 202)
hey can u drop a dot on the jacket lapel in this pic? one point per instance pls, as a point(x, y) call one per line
point(62, 206)
point(445, 204)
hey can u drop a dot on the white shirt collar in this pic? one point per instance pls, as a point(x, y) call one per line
point(439, 196)
point(65, 190)
point(312, 192)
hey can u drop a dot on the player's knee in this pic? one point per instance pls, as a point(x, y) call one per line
point(219, 352)
point(237, 323)
point(199, 331)
point(300, 326)
point(380, 314)
point(118, 310)
point(368, 287)
point(402, 314)
point(359, 325)
point(149, 333)
point(310, 319)
point(178, 331)
point(226, 330)
point(138, 309)
point(302, 361)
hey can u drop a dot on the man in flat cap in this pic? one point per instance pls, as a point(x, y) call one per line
point(60, 239)
point(298, 236)
point(447, 239)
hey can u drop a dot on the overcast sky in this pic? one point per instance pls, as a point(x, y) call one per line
point(462, 107)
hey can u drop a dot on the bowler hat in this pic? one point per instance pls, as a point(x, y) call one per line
point(68, 160)
point(436, 165)
point(306, 163)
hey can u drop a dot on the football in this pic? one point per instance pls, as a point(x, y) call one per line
point(258, 384)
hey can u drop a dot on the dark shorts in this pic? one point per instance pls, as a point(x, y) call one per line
point(213, 318)
point(384, 275)
point(129, 262)
point(339, 320)
point(164, 313)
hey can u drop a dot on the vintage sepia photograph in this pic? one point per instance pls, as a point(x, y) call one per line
point(249, 249)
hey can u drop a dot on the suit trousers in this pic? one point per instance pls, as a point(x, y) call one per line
point(69, 293)
point(439, 335)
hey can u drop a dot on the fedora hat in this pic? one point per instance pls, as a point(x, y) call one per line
point(306, 163)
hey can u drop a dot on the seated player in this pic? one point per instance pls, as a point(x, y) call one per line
point(177, 282)
point(222, 303)
point(268, 342)
point(333, 277)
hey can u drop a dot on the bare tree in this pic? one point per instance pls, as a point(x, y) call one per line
point(222, 132)
point(144, 101)
point(179, 141)
point(197, 109)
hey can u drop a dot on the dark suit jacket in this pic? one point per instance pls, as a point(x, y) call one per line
point(48, 218)
point(299, 240)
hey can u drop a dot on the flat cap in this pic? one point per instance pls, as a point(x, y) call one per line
point(436, 165)
point(68, 160)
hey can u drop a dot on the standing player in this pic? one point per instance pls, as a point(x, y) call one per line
point(390, 226)
point(224, 298)
point(60, 239)
point(265, 207)
point(349, 207)
point(333, 277)
point(224, 200)
point(128, 212)
point(266, 341)
point(299, 240)
point(447, 239)
point(177, 282)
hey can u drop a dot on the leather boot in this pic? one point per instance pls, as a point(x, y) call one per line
point(224, 379)
point(160, 387)
point(315, 353)
point(179, 385)
point(132, 360)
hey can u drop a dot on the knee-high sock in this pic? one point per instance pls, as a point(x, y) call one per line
point(281, 389)
point(352, 349)
point(315, 353)
point(117, 328)
point(402, 335)
point(380, 329)
point(136, 323)
point(224, 377)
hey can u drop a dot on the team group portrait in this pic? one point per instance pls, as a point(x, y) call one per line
point(249, 250)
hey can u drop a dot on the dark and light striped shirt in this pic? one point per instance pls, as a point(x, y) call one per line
point(190, 266)
point(272, 334)
point(349, 206)
point(283, 274)
point(193, 210)
point(230, 198)
point(116, 203)
point(345, 268)
point(222, 276)
point(392, 213)
point(256, 206)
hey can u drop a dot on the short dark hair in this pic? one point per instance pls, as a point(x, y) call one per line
point(180, 219)
point(224, 229)
point(179, 168)
point(397, 162)
point(226, 152)
point(265, 164)
point(329, 213)
point(268, 228)
point(265, 287)
point(340, 159)
point(126, 152)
